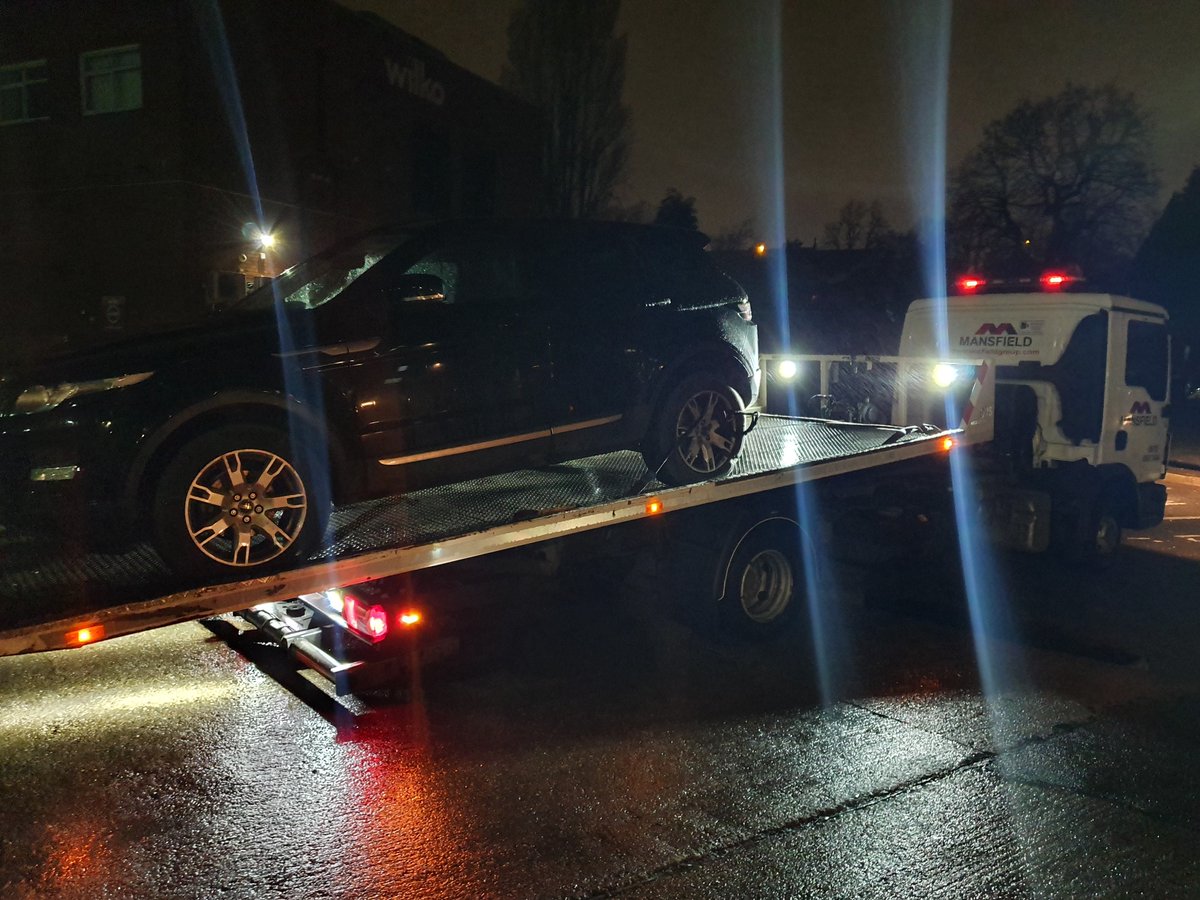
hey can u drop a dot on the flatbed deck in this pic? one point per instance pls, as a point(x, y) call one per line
point(47, 596)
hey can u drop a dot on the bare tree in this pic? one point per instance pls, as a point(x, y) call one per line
point(857, 226)
point(878, 229)
point(564, 57)
point(738, 238)
point(1060, 180)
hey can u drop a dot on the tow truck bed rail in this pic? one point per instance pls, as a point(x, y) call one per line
point(441, 525)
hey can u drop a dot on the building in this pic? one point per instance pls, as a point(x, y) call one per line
point(147, 146)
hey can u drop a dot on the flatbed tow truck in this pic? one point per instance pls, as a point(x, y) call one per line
point(1066, 426)
point(346, 588)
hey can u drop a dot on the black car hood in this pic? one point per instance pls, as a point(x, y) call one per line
point(255, 332)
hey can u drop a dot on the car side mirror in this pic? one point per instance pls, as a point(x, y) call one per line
point(419, 289)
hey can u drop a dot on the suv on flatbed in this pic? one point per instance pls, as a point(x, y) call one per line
point(398, 360)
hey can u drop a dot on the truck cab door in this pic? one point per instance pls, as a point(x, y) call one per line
point(1139, 376)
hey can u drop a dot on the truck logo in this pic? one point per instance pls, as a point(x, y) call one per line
point(991, 334)
point(412, 78)
point(1140, 414)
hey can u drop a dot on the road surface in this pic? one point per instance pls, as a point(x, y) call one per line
point(593, 746)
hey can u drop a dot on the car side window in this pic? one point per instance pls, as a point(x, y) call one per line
point(474, 270)
point(592, 273)
point(440, 264)
point(488, 268)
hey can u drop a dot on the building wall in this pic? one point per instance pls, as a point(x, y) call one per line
point(302, 118)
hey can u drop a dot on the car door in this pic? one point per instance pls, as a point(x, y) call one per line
point(454, 386)
point(591, 288)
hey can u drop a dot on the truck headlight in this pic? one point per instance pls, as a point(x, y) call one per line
point(41, 399)
point(945, 375)
point(787, 369)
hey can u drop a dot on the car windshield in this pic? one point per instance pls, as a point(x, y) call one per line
point(323, 277)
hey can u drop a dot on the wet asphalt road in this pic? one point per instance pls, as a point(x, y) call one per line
point(593, 745)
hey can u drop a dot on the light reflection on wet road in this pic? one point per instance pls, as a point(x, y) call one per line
point(606, 750)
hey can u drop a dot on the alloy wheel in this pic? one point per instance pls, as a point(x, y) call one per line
point(245, 507)
point(706, 431)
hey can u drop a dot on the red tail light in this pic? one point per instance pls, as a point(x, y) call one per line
point(969, 284)
point(369, 622)
point(1056, 281)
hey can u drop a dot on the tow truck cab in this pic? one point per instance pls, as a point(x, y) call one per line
point(1082, 407)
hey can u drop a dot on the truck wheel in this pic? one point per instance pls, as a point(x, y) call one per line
point(1104, 531)
point(698, 432)
point(765, 584)
point(1096, 540)
point(237, 502)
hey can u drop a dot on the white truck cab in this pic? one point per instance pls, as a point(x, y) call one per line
point(1082, 406)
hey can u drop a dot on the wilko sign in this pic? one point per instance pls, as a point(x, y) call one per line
point(411, 78)
point(1140, 414)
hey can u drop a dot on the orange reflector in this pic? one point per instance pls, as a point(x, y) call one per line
point(409, 618)
point(947, 443)
point(653, 507)
point(85, 635)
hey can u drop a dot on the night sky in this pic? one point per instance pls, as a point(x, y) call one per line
point(699, 82)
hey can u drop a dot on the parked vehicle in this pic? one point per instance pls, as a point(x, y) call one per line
point(392, 362)
point(1082, 412)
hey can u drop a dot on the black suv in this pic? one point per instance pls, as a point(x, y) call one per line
point(394, 361)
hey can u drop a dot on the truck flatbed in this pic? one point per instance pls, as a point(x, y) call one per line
point(45, 600)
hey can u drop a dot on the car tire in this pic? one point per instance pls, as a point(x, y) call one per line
point(237, 502)
point(697, 433)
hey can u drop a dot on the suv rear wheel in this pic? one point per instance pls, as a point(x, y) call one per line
point(236, 502)
point(698, 432)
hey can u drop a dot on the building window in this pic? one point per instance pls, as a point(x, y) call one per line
point(111, 79)
point(23, 92)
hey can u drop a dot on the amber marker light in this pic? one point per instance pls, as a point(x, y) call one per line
point(947, 443)
point(760, 249)
point(409, 618)
point(88, 635)
point(653, 506)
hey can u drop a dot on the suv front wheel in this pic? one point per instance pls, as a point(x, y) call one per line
point(698, 432)
point(237, 502)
